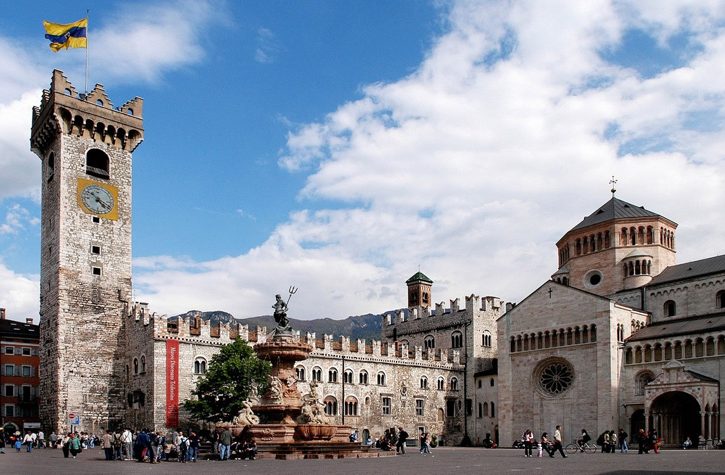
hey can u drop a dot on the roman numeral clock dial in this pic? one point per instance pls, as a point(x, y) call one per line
point(98, 198)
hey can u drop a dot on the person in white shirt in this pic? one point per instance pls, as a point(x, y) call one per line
point(28, 441)
point(127, 440)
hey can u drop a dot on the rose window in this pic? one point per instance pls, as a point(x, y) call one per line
point(556, 377)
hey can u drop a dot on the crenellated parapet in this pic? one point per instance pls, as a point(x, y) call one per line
point(190, 329)
point(63, 110)
point(329, 347)
point(420, 319)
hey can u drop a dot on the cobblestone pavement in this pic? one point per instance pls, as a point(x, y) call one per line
point(444, 461)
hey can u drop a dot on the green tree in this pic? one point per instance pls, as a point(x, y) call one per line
point(231, 377)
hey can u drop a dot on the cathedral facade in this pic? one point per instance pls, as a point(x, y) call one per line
point(620, 337)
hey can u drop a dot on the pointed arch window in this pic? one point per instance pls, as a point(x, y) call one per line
point(456, 339)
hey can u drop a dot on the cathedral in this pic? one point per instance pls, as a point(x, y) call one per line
point(620, 336)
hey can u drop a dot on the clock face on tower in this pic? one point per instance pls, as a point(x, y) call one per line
point(98, 198)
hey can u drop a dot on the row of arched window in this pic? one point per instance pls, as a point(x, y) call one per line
point(350, 406)
point(139, 365)
point(483, 409)
point(429, 342)
point(349, 378)
point(554, 338)
point(679, 349)
point(638, 267)
point(592, 243)
point(628, 236)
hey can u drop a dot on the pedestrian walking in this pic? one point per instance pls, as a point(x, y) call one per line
point(425, 443)
point(65, 445)
point(400, 446)
point(623, 447)
point(557, 443)
point(544, 444)
point(642, 441)
point(74, 445)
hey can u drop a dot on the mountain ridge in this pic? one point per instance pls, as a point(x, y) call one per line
point(364, 327)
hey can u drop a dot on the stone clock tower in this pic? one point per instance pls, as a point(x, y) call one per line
point(85, 146)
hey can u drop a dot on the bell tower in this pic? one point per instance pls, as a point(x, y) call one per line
point(419, 287)
point(85, 146)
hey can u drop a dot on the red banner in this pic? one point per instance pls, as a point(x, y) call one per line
point(172, 383)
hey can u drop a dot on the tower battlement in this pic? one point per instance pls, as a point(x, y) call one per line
point(360, 349)
point(473, 305)
point(190, 329)
point(64, 110)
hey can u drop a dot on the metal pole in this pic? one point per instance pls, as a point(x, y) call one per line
point(88, 45)
point(344, 406)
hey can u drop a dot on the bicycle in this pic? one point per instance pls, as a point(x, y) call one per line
point(588, 447)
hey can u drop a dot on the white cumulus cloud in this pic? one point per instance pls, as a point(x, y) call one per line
point(474, 165)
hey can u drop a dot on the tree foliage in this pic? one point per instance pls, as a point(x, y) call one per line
point(231, 377)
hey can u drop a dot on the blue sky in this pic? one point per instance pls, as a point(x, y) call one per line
point(340, 146)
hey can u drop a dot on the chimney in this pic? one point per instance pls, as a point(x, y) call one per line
point(28, 320)
point(2, 314)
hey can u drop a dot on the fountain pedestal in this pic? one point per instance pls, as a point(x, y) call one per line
point(280, 434)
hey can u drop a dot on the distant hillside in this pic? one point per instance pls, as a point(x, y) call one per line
point(358, 327)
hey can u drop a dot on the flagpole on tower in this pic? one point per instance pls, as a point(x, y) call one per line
point(88, 11)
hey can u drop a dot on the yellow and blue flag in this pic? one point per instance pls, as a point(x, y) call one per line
point(70, 35)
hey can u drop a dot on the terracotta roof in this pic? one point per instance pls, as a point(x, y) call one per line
point(615, 209)
point(711, 265)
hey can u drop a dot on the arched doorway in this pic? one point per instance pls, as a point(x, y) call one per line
point(676, 415)
point(10, 428)
point(636, 423)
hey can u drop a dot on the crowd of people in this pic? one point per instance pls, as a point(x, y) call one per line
point(142, 446)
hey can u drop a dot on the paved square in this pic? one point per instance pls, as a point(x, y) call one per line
point(444, 461)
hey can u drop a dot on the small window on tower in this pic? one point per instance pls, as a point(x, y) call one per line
point(96, 219)
point(96, 270)
point(95, 249)
point(97, 163)
point(51, 166)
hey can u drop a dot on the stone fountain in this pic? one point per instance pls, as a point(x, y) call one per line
point(288, 425)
